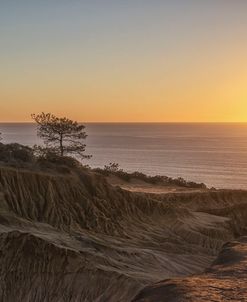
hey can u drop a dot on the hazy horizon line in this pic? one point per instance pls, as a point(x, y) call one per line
point(133, 122)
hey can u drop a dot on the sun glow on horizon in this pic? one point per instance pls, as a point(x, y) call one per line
point(171, 62)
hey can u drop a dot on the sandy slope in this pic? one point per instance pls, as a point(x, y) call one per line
point(137, 185)
point(226, 280)
point(76, 238)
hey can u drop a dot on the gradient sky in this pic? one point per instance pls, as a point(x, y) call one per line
point(128, 60)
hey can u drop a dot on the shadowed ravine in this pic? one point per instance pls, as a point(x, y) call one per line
point(76, 238)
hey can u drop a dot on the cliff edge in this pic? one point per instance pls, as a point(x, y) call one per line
point(74, 237)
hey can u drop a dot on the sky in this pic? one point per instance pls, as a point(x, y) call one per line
point(124, 60)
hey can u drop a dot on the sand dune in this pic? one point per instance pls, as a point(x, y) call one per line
point(76, 238)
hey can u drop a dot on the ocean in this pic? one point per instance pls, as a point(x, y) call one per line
point(215, 154)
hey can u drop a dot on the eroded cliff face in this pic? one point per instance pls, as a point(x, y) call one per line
point(226, 280)
point(76, 238)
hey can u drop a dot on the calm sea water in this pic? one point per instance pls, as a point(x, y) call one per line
point(215, 154)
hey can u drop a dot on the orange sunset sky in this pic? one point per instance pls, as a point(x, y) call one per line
point(124, 61)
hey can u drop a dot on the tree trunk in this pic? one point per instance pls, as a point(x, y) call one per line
point(61, 145)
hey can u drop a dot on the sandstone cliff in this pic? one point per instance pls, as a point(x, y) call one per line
point(74, 237)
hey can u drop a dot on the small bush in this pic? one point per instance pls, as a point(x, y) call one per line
point(16, 153)
point(114, 169)
point(62, 164)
